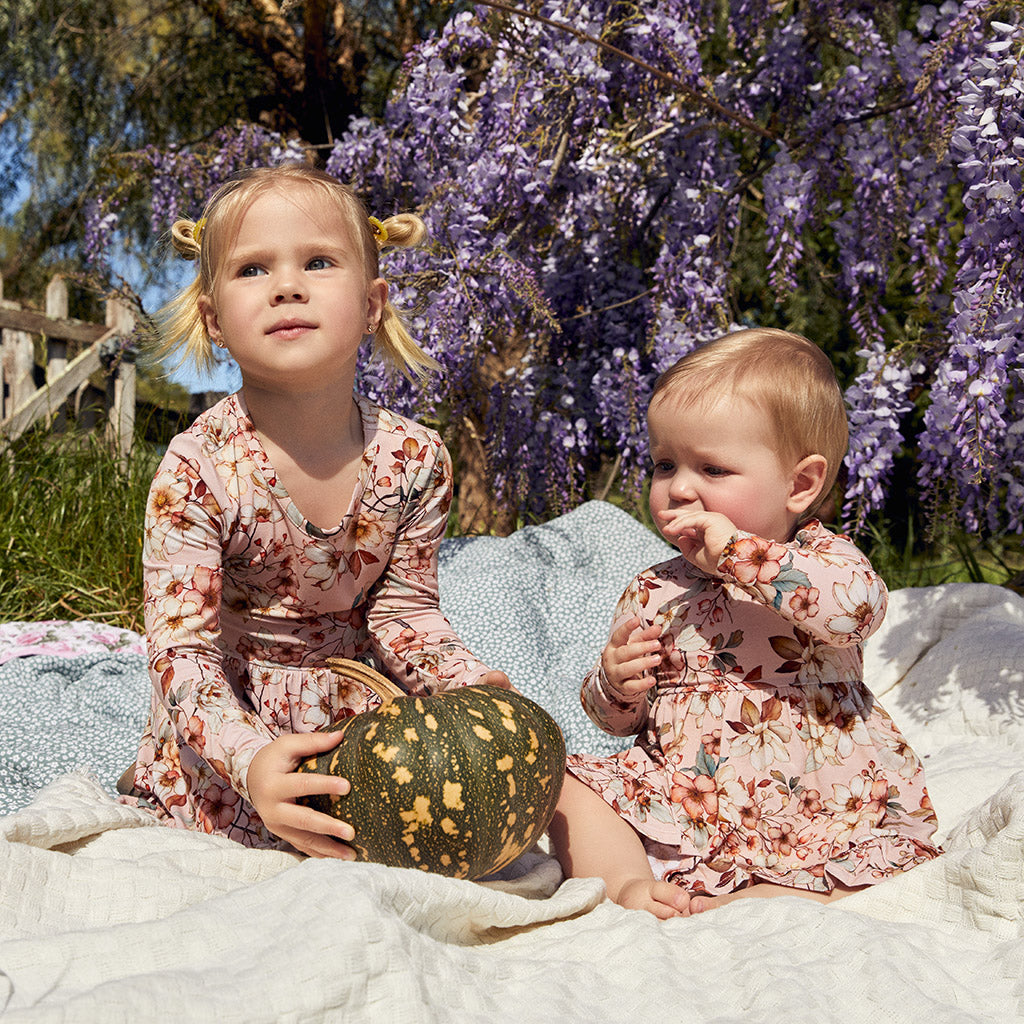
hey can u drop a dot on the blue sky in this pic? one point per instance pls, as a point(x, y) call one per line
point(223, 378)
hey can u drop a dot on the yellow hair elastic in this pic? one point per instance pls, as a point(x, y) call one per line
point(379, 231)
point(197, 230)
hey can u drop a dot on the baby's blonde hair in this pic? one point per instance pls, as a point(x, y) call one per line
point(788, 377)
point(182, 328)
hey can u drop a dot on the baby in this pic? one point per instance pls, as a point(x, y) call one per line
point(762, 763)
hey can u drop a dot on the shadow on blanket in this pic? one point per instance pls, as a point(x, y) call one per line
point(104, 913)
point(957, 642)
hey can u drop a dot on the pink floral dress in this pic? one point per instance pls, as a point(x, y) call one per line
point(761, 754)
point(245, 600)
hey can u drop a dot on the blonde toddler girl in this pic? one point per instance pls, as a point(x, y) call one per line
point(293, 522)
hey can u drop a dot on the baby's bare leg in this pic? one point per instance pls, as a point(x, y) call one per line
point(762, 890)
point(592, 841)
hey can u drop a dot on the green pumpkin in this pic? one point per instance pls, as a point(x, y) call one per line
point(460, 783)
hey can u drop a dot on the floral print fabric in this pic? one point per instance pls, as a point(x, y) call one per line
point(245, 600)
point(61, 639)
point(760, 754)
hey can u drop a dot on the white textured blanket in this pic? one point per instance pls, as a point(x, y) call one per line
point(105, 916)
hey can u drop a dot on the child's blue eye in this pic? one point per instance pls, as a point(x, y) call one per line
point(716, 471)
point(251, 271)
point(318, 263)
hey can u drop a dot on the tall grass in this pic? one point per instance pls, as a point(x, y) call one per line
point(71, 515)
point(951, 556)
point(71, 519)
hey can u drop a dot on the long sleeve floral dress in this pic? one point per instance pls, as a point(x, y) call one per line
point(760, 754)
point(245, 600)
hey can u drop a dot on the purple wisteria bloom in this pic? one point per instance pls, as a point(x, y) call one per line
point(610, 186)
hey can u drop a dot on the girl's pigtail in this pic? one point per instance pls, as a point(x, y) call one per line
point(182, 328)
point(392, 339)
point(186, 236)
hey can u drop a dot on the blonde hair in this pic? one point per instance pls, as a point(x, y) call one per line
point(788, 377)
point(205, 240)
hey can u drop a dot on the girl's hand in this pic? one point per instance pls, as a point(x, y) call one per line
point(274, 786)
point(496, 678)
point(700, 536)
point(628, 658)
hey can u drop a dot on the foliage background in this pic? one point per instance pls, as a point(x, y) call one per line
point(607, 184)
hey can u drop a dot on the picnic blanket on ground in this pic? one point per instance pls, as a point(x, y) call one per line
point(106, 916)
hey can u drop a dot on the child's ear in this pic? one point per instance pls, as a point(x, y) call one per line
point(807, 481)
point(210, 320)
point(376, 300)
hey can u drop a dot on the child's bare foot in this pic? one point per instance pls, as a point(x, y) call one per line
point(662, 899)
point(699, 902)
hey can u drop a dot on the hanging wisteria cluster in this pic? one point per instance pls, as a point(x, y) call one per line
point(608, 184)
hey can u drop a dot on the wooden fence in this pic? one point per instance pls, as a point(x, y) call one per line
point(49, 380)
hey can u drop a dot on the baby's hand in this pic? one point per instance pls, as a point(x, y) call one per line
point(629, 656)
point(700, 536)
point(274, 786)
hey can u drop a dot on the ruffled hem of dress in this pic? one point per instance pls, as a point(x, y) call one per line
point(877, 860)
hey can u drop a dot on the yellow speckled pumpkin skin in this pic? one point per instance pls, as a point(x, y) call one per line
point(460, 783)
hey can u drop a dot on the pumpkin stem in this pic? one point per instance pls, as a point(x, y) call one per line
point(360, 673)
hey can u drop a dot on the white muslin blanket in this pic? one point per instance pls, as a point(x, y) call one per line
point(106, 916)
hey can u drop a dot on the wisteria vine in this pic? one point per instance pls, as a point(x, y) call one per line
point(607, 184)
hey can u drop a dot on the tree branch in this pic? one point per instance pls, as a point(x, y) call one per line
point(269, 36)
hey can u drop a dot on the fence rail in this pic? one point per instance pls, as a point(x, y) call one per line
point(97, 348)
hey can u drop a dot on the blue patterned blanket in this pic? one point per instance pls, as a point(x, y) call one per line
point(537, 604)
